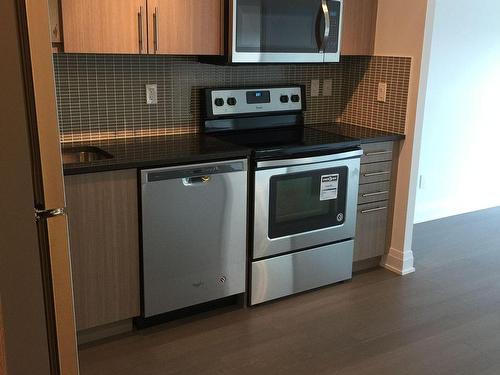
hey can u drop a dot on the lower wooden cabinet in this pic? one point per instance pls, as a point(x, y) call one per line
point(104, 243)
point(374, 200)
point(371, 230)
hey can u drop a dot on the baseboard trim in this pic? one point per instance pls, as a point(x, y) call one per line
point(103, 332)
point(397, 261)
point(361, 266)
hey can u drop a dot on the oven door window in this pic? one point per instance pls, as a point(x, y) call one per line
point(274, 26)
point(308, 201)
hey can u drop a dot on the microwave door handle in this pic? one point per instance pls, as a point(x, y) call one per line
point(326, 17)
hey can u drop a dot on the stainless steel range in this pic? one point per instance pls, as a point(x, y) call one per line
point(305, 188)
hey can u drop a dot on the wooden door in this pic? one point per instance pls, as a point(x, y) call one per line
point(49, 173)
point(185, 27)
point(359, 25)
point(104, 26)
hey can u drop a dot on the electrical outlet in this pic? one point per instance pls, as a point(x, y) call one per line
point(315, 87)
point(382, 92)
point(152, 94)
point(327, 87)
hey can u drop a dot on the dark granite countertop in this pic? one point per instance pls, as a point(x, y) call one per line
point(152, 152)
point(162, 151)
point(365, 135)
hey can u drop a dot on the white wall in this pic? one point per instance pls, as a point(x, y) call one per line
point(460, 154)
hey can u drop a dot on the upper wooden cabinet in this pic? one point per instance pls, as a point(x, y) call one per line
point(104, 26)
point(359, 26)
point(185, 27)
point(179, 27)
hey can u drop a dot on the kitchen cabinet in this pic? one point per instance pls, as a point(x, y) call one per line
point(371, 230)
point(104, 26)
point(359, 26)
point(377, 172)
point(186, 27)
point(104, 242)
point(179, 27)
point(374, 201)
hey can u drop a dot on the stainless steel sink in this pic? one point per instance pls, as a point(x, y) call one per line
point(75, 155)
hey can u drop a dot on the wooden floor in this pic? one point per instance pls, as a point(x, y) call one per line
point(444, 319)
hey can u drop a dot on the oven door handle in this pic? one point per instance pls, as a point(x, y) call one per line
point(326, 17)
point(356, 153)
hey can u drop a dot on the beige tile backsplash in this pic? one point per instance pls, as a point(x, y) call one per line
point(103, 96)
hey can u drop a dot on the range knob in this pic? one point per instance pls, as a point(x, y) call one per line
point(295, 98)
point(284, 98)
point(231, 101)
point(219, 102)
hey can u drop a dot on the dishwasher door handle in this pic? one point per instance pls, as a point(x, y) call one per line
point(199, 180)
point(194, 174)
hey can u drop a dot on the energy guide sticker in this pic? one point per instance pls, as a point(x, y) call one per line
point(329, 187)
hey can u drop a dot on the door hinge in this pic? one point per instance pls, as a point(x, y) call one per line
point(47, 214)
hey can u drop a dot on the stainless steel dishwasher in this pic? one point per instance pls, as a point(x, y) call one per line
point(193, 234)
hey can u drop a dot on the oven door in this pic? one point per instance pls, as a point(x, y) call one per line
point(303, 206)
point(284, 31)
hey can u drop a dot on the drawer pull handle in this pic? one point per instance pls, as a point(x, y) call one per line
point(376, 174)
point(377, 153)
point(374, 210)
point(374, 194)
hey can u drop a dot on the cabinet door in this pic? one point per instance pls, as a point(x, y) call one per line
point(104, 26)
point(104, 242)
point(371, 231)
point(185, 27)
point(359, 24)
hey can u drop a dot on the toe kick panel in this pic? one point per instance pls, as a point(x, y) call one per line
point(293, 273)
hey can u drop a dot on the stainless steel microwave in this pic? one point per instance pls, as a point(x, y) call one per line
point(284, 31)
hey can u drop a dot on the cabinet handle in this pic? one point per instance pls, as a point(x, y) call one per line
point(155, 29)
point(374, 210)
point(376, 174)
point(377, 153)
point(374, 194)
point(139, 20)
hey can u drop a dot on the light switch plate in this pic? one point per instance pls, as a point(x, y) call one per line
point(315, 87)
point(382, 92)
point(327, 87)
point(152, 94)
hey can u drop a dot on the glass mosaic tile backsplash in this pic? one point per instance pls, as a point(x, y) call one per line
point(103, 96)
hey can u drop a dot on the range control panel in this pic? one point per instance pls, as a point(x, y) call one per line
point(260, 100)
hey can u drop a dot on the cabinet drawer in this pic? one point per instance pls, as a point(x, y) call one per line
point(371, 230)
point(377, 152)
point(376, 192)
point(377, 172)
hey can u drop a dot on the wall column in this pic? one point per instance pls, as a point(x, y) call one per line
point(401, 31)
